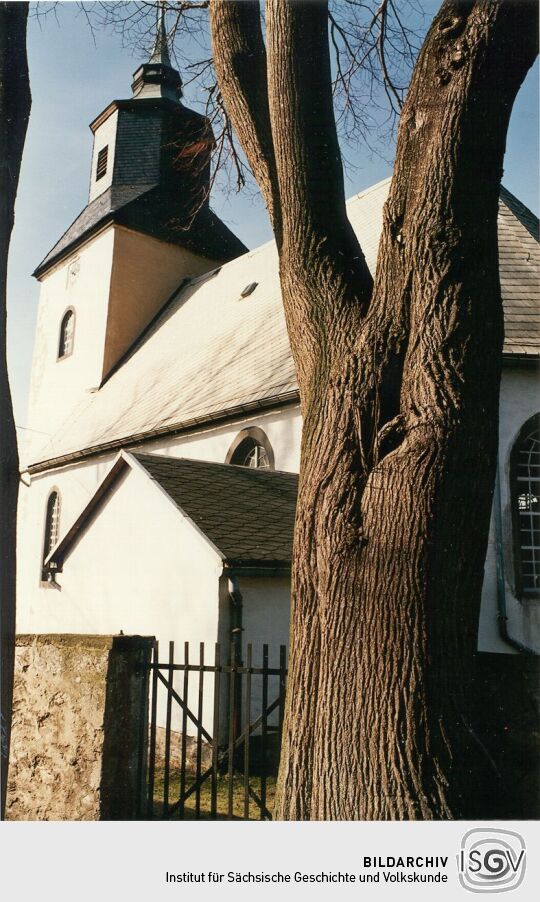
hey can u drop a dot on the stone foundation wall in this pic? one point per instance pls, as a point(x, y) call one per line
point(79, 717)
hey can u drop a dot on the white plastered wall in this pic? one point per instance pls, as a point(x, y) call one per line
point(76, 485)
point(140, 568)
point(78, 481)
point(266, 615)
point(105, 136)
point(520, 400)
point(81, 282)
point(265, 620)
point(282, 427)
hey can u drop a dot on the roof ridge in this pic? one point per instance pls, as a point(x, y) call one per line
point(211, 463)
point(521, 212)
point(365, 191)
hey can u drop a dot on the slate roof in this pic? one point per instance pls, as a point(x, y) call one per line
point(96, 213)
point(213, 354)
point(247, 514)
point(144, 208)
point(519, 269)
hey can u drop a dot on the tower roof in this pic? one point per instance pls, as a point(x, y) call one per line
point(144, 209)
point(156, 173)
point(157, 77)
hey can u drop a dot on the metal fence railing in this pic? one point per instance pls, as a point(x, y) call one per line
point(215, 732)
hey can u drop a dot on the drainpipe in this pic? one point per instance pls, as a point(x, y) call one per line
point(501, 589)
point(236, 606)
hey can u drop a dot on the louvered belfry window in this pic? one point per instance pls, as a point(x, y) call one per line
point(101, 167)
point(525, 483)
point(52, 529)
point(67, 334)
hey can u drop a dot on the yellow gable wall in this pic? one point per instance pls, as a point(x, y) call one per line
point(145, 273)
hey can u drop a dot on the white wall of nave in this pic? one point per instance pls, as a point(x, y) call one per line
point(519, 401)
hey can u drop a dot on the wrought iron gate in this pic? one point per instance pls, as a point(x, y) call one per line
point(214, 734)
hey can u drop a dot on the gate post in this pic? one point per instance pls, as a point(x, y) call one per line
point(125, 728)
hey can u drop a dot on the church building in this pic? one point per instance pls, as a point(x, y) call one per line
point(159, 478)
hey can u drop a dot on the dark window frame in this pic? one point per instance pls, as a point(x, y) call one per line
point(528, 429)
point(47, 546)
point(102, 162)
point(70, 312)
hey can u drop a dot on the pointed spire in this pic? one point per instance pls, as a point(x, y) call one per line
point(160, 53)
point(157, 77)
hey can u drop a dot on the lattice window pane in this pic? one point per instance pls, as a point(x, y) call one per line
point(252, 451)
point(52, 528)
point(257, 458)
point(527, 508)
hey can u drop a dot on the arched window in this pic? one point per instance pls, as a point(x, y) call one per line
point(251, 448)
point(52, 529)
point(67, 334)
point(525, 495)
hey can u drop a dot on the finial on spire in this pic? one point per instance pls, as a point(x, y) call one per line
point(160, 53)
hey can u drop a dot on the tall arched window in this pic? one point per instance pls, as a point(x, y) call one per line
point(52, 529)
point(67, 334)
point(525, 495)
point(251, 448)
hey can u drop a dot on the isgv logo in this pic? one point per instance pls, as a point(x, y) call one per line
point(491, 861)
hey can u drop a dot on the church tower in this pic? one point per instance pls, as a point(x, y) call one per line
point(147, 226)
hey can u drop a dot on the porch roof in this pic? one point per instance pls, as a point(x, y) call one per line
point(247, 514)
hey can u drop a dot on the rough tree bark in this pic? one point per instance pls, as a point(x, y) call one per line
point(399, 385)
point(14, 112)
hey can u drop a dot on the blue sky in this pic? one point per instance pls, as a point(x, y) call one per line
point(72, 80)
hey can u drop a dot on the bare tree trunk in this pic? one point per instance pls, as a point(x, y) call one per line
point(14, 113)
point(399, 390)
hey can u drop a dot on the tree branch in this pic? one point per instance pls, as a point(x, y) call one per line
point(240, 65)
point(308, 157)
point(324, 275)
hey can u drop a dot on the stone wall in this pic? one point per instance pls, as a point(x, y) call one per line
point(79, 719)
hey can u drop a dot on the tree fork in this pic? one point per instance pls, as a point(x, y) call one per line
point(396, 666)
point(399, 394)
